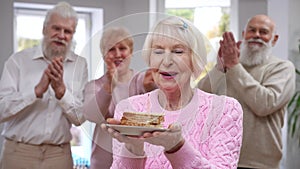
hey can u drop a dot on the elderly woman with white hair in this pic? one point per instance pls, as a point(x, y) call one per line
point(204, 130)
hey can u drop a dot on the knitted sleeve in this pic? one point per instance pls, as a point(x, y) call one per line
point(213, 137)
point(219, 142)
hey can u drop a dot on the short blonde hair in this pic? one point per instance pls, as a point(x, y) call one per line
point(113, 35)
point(183, 30)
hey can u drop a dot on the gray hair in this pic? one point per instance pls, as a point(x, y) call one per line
point(63, 9)
point(183, 30)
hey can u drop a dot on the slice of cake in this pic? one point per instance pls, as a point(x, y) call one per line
point(142, 119)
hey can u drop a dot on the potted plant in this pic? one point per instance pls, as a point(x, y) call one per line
point(294, 109)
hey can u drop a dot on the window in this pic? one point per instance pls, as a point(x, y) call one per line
point(29, 20)
point(29, 36)
point(198, 12)
point(211, 17)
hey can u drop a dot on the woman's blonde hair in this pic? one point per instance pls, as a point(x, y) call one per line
point(184, 31)
point(113, 35)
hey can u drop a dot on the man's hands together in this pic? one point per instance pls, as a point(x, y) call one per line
point(53, 75)
point(229, 52)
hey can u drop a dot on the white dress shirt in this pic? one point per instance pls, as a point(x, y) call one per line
point(29, 119)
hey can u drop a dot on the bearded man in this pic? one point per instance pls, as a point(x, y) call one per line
point(41, 96)
point(262, 83)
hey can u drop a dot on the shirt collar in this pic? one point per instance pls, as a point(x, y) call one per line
point(71, 56)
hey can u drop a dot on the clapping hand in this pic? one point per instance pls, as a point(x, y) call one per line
point(42, 86)
point(110, 74)
point(53, 75)
point(228, 54)
point(55, 72)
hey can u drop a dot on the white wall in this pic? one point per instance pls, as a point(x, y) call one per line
point(282, 24)
point(294, 31)
point(6, 33)
point(242, 10)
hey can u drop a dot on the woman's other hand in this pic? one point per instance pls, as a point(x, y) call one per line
point(134, 144)
point(171, 140)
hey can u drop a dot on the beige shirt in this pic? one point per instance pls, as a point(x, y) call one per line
point(264, 92)
point(35, 121)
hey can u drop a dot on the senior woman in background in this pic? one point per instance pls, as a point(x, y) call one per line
point(205, 130)
point(102, 95)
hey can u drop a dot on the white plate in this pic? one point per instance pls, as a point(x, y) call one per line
point(134, 130)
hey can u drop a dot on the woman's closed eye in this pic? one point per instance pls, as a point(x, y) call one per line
point(158, 51)
point(111, 49)
point(178, 51)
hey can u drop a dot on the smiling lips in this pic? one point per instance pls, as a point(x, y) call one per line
point(59, 43)
point(118, 62)
point(255, 43)
point(168, 75)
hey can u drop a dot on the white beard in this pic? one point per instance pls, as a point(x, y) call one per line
point(51, 52)
point(251, 56)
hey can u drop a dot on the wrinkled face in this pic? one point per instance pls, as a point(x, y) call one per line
point(58, 34)
point(172, 61)
point(258, 41)
point(119, 55)
point(259, 30)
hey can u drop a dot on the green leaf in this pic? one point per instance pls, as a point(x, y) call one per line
point(293, 99)
point(294, 107)
point(297, 71)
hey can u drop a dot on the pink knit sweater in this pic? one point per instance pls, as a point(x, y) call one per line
point(211, 126)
